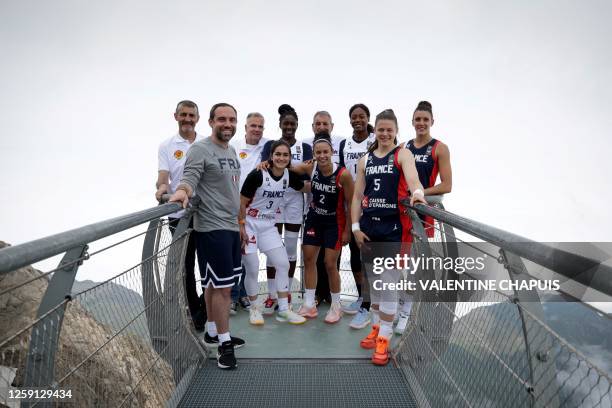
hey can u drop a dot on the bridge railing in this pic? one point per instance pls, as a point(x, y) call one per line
point(127, 341)
point(493, 347)
point(122, 342)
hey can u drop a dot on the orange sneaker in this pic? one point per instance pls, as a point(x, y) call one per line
point(309, 312)
point(381, 353)
point(369, 341)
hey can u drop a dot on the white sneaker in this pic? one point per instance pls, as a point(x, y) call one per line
point(255, 316)
point(334, 314)
point(353, 308)
point(402, 322)
point(361, 319)
point(290, 317)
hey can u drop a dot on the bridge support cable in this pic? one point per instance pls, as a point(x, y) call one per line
point(94, 338)
point(496, 346)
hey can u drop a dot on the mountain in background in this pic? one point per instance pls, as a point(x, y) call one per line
point(114, 305)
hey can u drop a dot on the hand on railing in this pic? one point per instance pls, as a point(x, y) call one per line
point(163, 199)
point(417, 197)
point(429, 200)
point(161, 191)
point(180, 196)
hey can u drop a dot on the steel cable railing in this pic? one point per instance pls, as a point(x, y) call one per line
point(497, 349)
point(128, 341)
point(94, 338)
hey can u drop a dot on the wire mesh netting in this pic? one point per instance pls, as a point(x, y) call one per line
point(492, 350)
point(128, 341)
point(120, 343)
point(347, 281)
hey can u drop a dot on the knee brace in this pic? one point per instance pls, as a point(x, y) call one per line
point(291, 239)
point(251, 266)
point(389, 308)
point(278, 257)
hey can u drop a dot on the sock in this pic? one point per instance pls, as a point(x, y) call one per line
point(256, 302)
point(309, 297)
point(283, 304)
point(223, 337)
point(272, 288)
point(406, 307)
point(290, 283)
point(375, 316)
point(211, 328)
point(386, 329)
point(335, 297)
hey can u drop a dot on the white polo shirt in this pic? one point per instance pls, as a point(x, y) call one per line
point(249, 156)
point(171, 158)
point(335, 146)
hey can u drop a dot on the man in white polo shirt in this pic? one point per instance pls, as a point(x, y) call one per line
point(171, 157)
point(249, 147)
point(248, 150)
point(322, 122)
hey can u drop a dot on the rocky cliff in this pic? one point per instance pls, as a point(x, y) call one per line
point(125, 367)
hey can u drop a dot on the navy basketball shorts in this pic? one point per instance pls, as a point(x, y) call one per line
point(219, 258)
point(322, 234)
point(385, 235)
point(382, 229)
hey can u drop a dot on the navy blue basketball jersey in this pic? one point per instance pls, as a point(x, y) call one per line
point(327, 195)
point(382, 177)
point(385, 186)
point(426, 161)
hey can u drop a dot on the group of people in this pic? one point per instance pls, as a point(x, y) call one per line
point(340, 191)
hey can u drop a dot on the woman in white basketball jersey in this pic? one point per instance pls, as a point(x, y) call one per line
point(261, 198)
point(351, 150)
point(292, 211)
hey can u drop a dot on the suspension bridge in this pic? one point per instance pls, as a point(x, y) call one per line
point(129, 341)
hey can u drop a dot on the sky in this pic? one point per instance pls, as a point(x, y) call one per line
point(521, 93)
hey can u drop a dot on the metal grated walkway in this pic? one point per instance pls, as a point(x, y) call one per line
point(298, 383)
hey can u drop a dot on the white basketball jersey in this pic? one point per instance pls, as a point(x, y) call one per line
point(269, 197)
point(352, 151)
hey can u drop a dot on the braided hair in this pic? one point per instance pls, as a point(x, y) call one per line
point(286, 110)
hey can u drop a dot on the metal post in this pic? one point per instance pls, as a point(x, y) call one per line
point(40, 365)
point(150, 294)
point(541, 370)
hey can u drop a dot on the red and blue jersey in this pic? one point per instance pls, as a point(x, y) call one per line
point(385, 187)
point(426, 161)
point(327, 204)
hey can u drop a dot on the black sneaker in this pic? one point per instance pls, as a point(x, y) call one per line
point(233, 308)
point(225, 356)
point(199, 325)
point(199, 322)
point(245, 303)
point(237, 342)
